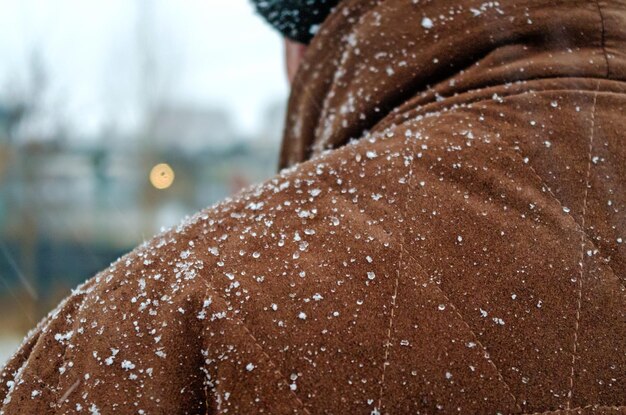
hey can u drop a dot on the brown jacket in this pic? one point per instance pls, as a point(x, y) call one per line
point(466, 254)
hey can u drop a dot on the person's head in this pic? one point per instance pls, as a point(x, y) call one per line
point(298, 21)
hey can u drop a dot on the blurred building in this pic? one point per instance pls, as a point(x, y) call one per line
point(71, 205)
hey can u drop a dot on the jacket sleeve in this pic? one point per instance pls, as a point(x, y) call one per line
point(12, 368)
point(123, 342)
point(29, 380)
point(148, 335)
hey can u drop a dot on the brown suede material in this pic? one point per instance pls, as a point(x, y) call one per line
point(466, 253)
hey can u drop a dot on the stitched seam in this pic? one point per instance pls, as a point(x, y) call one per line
point(236, 319)
point(395, 294)
point(454, 307)
point(478, 342)
point(422, 109)
point(577, 225)
point(541, 180)
point(583, 237)
point(579, 408)
point(570, 216)
point(387, 344)
point(545, 185)
point(582, 251)
point(271, 362)
point(602, 39)
point(421, 270)
point(464, 320)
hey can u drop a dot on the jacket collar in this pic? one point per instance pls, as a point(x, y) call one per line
point(372, 57)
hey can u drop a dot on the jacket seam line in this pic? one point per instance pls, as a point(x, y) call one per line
point(473, 333)
point(582, 252)
point(421, 109)
point(579, 408)
point(463, 319)
point(443, 293)
point(394, 297)
point(236, 319)
point(603, 39)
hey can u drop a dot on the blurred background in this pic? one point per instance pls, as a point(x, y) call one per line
point(118, 118)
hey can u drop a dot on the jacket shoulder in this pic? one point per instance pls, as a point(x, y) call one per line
point(233, 276)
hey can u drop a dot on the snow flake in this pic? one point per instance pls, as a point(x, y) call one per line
point(61, 337)
point(109, 360)
point(427, 23)
point(256, 206)
point(127, 365)
point(315, 192)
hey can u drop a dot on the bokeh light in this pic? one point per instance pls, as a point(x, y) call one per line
point(162, 176)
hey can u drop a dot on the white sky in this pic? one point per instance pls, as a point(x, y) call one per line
point(207, 53)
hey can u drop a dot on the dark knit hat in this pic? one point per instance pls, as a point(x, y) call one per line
point(296, 19)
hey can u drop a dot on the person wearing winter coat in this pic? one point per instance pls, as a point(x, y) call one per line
point(448, 236)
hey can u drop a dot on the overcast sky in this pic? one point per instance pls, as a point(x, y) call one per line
point(204, 53)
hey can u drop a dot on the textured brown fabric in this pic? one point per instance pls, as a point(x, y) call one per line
point(466, 254)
